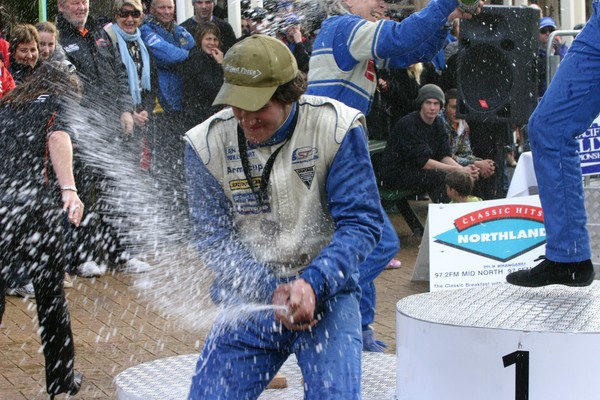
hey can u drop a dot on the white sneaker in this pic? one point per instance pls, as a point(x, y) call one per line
point(67, 282)
point(26, 291)
point(136, 266)
point(89, 269)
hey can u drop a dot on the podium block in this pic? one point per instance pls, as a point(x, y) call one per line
point(500, 343)
point(170, 379)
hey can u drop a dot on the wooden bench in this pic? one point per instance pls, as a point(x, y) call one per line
point(396, 200)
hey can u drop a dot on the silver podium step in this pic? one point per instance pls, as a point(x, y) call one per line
point(170, 379)
point(500, 342)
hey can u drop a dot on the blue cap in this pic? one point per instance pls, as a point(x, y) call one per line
point(547, 21)
point(291, 19)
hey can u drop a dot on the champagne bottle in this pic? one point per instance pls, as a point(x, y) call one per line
point(468, 6)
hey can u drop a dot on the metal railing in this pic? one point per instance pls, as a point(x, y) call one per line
point(552, 61)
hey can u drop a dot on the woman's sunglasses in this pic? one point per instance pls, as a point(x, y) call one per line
point(131, 13)
point(544, 31)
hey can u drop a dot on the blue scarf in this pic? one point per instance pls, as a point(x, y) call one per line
point(132, 75)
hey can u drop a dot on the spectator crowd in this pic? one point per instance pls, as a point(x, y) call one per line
point(145, 80)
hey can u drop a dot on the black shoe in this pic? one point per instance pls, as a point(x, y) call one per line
point(75, 385)
point(554, 273)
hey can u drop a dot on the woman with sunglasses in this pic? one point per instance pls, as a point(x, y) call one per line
point(142, 80)
point(135, 56)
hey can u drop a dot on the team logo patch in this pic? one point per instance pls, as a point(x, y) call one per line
point(499, 232)
point(305, 154)
point(101, 42)
point(306, 175)
point(71, 48)
point(42, 98)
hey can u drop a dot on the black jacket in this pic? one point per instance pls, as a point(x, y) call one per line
point(20, 72)
point(24, 164)
point(202, 79)
point(98, 66)
point(410, 145)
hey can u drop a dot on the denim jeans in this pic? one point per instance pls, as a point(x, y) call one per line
point(239, 359)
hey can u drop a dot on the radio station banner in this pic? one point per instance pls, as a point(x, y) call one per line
point(479, 243)
point(589, 149)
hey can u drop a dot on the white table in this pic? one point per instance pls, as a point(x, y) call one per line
point(524, 181)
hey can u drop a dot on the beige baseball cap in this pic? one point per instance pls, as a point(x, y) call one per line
point(253, 69)
point(136, 4)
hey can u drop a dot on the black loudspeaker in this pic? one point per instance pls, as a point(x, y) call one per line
point(496, 74)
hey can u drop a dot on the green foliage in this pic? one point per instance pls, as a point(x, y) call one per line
point(24, 11)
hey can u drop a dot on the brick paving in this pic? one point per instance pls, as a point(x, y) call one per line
point(114, 328)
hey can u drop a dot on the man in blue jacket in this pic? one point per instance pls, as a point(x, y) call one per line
point(170, 45)
point(342, 66)
point(285, 207)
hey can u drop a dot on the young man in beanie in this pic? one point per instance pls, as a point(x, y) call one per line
point(418, 156)
point(285, 207)
point(568, 108)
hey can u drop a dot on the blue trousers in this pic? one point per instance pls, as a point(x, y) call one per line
point(567, 109)
point(370, 269)
point(239, 359)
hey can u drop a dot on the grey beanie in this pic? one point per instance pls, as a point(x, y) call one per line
point(430, 91)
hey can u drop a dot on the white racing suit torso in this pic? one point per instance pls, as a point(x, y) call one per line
point(293, 225)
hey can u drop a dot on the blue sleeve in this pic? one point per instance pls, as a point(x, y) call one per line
point(166, 54)
point(422, 34)
point(188, 42)
point(418, 38)
point(356, 210)
point(238, 275)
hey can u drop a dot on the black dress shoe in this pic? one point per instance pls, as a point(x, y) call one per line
point(75, 385)
point(554, 273)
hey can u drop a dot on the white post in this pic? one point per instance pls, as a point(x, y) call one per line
point(185, 9)
point(573, 13)
point(234, 16)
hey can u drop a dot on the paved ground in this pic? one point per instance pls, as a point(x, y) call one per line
point(115, 328)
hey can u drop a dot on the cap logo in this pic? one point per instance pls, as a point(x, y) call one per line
point(254, 73)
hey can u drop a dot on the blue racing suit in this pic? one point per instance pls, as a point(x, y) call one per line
point(342, 63)
point(342, 66)
point(239, 359)
point(566, 110)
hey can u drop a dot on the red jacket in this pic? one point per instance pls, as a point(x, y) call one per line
point(7, 82)
point(4, 45)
